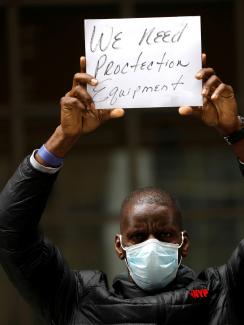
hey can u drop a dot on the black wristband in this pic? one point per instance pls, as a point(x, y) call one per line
point(235, 137)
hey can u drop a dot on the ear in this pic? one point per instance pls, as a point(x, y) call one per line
point(119, 250)
point(186, 244)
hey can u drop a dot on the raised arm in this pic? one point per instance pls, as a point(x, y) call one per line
point(32, 263)
point(220, 111)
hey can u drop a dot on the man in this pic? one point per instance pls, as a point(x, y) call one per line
point(158, 288)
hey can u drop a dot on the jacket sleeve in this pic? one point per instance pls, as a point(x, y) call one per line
point(235, 273)
point(32, 263)
point(235, 280)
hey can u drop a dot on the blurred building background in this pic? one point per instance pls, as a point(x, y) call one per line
point(40, 45)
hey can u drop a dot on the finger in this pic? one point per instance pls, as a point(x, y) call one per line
point(205, 73)
point(210, 85)
point(224, 91)
point(188, 110)
point(204, 59)
point(209, 113)
point(81, 94)
point(185, 110)
point(117, 112)
point(82, 64)
point(84, 79)
point(107, 114)
point(68, 103)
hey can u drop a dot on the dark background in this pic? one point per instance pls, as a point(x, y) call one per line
point(40, 45)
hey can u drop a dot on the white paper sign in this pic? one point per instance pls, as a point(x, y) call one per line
point(144, 62)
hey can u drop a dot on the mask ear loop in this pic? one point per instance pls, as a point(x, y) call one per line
point(182, 241)
point(120, 239)
point(125, 259)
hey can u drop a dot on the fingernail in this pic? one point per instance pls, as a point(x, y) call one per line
point(94, 82)
point(204, 91)
point(93, 106)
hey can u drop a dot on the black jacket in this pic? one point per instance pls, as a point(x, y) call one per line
point(65, 297)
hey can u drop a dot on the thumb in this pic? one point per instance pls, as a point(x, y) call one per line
point(193, 111)
point(116, 113)
point(185, 110)
point(108, 114)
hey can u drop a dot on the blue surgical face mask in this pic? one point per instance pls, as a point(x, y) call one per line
point(152, 264)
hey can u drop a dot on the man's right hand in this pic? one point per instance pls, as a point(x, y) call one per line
point(78, 115)
point(78, 112)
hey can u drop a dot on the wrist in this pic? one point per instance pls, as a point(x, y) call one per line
point(237, 134)
point(234, 127)
point(59, 143)
point(47, 158)
point(40, 165)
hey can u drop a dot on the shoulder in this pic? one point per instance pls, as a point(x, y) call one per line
point(212, 273)
point(235, 264)
point(221, 275)
point(91, 278)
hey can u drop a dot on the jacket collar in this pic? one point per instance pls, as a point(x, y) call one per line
point(125, 288)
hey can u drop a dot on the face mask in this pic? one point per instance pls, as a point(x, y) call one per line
point(152, 264)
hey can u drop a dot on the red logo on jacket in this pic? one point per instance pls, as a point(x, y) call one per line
point(198, 293)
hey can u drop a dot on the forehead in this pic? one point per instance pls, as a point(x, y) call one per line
point(142, 214)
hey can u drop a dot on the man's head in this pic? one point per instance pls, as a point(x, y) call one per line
point(149, 213)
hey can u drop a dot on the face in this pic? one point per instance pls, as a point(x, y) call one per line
point(143, 221)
